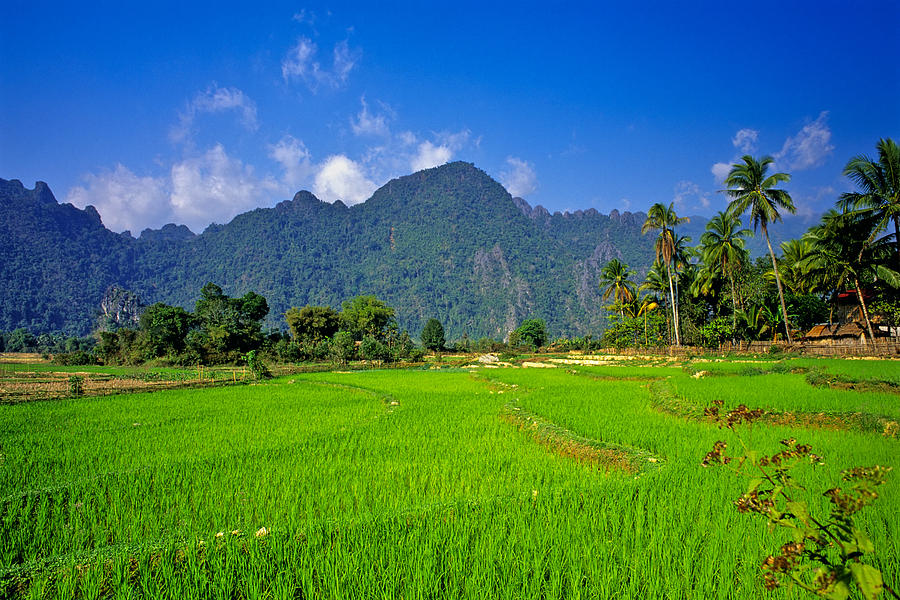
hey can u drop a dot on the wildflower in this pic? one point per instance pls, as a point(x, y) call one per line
point(261, 532)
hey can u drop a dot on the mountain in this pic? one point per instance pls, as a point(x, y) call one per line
point(447, 242)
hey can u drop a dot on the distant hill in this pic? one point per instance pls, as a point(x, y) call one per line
point(447, 242)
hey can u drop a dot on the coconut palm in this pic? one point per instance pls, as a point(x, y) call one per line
point(655, 286)
point(879, 185)
point(751, 189)
point(844, 254)
point(722, 250)
point(794, 271)
point(664, 219)
point(615, 276)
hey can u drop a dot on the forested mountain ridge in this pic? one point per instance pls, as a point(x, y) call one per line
point(448, 242)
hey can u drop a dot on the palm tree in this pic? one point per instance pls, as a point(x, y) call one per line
point(615, 277)
point(844, 254)
point(665, 219)
point(879, 184)
point(752, 190)
point(655, 285)
point(795, 273)
point(722, 249)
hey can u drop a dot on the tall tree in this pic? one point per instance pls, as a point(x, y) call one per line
point(664, 219)
point(879, 188)
point(722, 249)
point(615, 281)
point(844, 254)
point(751, 189)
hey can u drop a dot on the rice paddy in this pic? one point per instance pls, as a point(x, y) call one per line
point(566, 482)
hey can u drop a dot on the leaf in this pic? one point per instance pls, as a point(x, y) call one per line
point(868, 578)
point(840, 591)
point(754, 483)
point(863, 541)
point(799, 510)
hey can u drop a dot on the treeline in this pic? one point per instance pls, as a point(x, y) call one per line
point(711, 293)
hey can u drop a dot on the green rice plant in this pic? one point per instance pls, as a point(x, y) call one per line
point(825, 554)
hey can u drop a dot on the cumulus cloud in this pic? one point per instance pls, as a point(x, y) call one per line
point(215, 100)
point(340, 178)
point(438, 152)
point(123, 199)
point(367, 123)
point(294, 159)
point(720, 171)
point(430, 155)
point(215, 185)
point(301, 63)
point(809, 148)
point(197, 191)
point(520, 178)
point(745, 140)
point(689, 196)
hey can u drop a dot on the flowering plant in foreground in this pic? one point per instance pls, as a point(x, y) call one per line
point(825, 553)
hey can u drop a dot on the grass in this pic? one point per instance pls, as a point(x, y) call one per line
point(406, 484)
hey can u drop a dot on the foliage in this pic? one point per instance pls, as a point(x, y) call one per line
point(716, 332)
point(752, 190)
point(76, 386)
point(312, 323)
point(343, 347)
point(647, 330)
point(825, 553)
point(366, 316)
point(256, 365)
point(532, 332)
point(433, 335)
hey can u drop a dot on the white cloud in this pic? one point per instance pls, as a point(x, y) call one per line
point(124, 200)
point(215, 100)
point(433, 154)
point(809, 148)
point(294, 159)
point(197, 191)
point(340, 178)
point(215, 186)
point(745, 140)
point(301, 62)
point(689, 196)
point(520, 178)
point(367, 123)
point(720, 171)
point(430, 156)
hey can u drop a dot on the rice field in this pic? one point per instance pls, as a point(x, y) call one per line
point(441, 483)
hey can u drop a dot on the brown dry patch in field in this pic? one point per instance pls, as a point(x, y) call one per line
point(570, 447)
point(21, 357)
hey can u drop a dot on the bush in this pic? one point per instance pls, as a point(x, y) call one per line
point(76, 385)
point(256, 365)
point(532, 332)
point(342, 347)
point(79, 357)
point(433, 335)
point(373, 349)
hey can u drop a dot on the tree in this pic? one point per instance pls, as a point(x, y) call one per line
point(754, 191)
point(433, 335)
point(312, 323)
point(614, 281)
point(164, 329)
point(844, 254)
point(366, 315)
point(664, 219)
point(879, 189)
point(722, 249)
point(227, 324)
point(532, 332)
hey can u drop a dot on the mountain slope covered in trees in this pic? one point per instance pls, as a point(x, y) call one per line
point(447, 242)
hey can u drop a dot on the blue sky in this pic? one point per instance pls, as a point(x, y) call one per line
point(193, 112)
